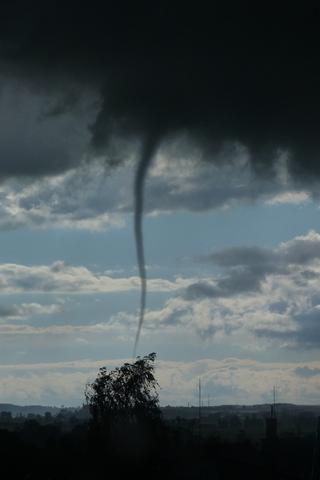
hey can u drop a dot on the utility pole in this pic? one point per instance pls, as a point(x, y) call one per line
point(199, 407)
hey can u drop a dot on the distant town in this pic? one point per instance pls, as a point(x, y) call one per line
point(226, 421)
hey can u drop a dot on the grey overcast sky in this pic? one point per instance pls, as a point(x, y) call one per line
point(218, 112)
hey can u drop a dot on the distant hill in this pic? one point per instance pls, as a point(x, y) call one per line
point(170, 412)
point(241, 410)
point(28, 409)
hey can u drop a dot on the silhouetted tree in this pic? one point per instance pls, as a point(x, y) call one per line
point(126, 394)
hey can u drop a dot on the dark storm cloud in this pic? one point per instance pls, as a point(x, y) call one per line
point(34, 139)
point(296, 265)
point(20, 312)
point(248, 266)
point(278, 307)
point(201, 290)
point(235, 283)
point(234, 73)
point(238, 72)
point(8, 311)
point(250, 256)
point(306, 333)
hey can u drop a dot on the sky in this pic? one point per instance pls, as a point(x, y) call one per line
point(216, 121)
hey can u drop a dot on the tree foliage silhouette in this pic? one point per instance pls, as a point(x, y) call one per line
point(125, 394)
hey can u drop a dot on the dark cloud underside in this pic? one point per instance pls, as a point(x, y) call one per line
point(238, 72)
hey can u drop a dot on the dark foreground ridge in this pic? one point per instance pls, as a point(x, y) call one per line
point(227, 444)
point(121, 433)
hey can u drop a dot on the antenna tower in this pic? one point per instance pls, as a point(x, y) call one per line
point(199, 407)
